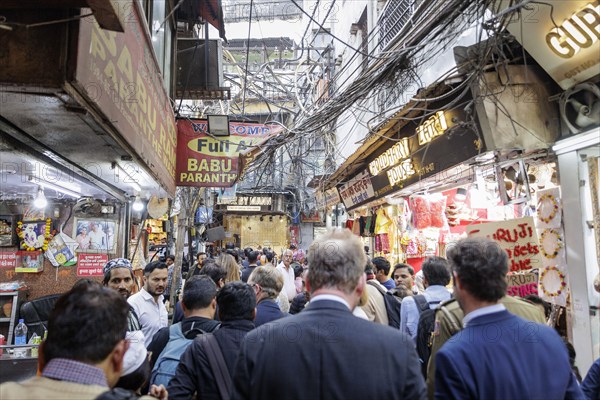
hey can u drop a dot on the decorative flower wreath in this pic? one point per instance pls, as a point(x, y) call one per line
point(558, 244)
point(561, 276)
point(546, 219)
point(48, 234)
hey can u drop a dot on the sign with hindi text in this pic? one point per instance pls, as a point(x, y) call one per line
point(8, 259)
point(358, 190)
point(518, 237)
point(91, 264)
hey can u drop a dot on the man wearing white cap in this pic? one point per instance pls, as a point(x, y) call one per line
point(118, 275)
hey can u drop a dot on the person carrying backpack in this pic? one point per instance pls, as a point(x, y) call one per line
point(167, 346)
point(417, 315)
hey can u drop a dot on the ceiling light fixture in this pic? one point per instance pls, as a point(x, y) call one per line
point(51, 185)
point(137, 204)
point(40, 199)
point(129, 179)
point(280, 218)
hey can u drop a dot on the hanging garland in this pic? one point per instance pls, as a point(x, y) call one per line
point(48, 234)
point(558, 243)
point(561, 277)
point(549, 217)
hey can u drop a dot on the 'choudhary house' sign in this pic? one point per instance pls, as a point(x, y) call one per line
point(440, 141)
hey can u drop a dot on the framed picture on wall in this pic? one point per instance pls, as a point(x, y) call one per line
point(8, 233)
point(95, 235)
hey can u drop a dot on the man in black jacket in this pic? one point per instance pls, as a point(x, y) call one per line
point(237, 302)
point(199, 306)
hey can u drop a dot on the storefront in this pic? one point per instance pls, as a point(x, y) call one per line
point(447, 172)
point(256, 221)
point(88, 135)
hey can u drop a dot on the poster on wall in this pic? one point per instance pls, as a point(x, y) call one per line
point(61, 250)
point(521, 285)
point(8, 259)
point(518, 237)
point(95, 235)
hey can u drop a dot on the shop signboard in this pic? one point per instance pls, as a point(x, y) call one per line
point(520, 285)
point(419, 150)
point(118, 74)
point(562, 36)
point(356, 191)
point(91, 264)
point(518, 237)
point(208, 161)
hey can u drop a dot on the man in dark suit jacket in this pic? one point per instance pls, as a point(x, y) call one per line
point(267, 282)
point(498, 355)
point(325, 352)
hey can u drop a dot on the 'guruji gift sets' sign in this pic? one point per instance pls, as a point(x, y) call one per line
point(205, 160)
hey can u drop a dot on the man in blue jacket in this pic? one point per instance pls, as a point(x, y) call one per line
point(497, 355)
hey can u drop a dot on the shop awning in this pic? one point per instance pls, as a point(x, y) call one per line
point(208, 10)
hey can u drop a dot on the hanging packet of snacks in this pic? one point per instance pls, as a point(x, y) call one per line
point(420, 211)
point(548, 209)
point(437, 208)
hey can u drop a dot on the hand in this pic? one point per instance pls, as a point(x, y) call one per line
point(160, 392)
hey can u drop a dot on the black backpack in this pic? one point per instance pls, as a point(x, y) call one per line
point(392, 306)
point(425, 330)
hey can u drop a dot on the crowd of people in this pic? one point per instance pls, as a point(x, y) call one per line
point(326, 323)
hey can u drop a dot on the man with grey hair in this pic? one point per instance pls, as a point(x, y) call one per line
point(285, 266)
point(267, 282)
point(322, 343)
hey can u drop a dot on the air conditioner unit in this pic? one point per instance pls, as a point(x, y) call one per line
point(197, 79)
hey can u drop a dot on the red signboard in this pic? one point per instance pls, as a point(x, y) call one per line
point(91, 264)
point(118, 74)
point(203, 160)
point(8, 259)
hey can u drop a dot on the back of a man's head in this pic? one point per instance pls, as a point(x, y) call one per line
point(336, 260)
point(86, 324)
point(381, 264)
point(269, 279)
point(214, 271)
point(252, 256)
point(198, 292)
point(236, 300)
point(436, 270)
point(151, 266)
point(481, 265)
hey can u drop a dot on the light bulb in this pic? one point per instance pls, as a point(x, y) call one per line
point(137, 204)
point(40, 199)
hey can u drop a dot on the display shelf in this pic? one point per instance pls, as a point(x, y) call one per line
point(14, 298)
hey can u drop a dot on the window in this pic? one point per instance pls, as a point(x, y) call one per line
point(397, 15)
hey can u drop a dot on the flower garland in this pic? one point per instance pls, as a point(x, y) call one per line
point(561, 276)
point(558, 245)
point(48, 234)
point(549, 217)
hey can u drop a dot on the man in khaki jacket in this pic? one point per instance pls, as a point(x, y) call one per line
point(375, 307)
point(448, 321)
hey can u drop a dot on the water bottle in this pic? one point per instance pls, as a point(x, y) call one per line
point(21, 332)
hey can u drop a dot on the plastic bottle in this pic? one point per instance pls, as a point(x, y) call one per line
point(21, 332)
